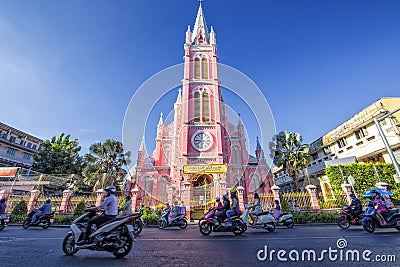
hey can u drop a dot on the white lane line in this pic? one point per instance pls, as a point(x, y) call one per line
point(243, 239)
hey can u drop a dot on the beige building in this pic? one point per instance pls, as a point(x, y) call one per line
point(355, 140)
point(17, 148)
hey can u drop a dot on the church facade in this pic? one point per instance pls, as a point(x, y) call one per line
point(200, 155)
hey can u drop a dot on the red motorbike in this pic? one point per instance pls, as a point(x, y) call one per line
point(346, 218)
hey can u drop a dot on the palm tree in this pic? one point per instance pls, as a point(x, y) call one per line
point(104, 164)
point(289, 153)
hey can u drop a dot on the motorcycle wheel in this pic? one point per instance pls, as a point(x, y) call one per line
point(343, 223)
point(137, 228)
point(46, 225)
point(68, 245)
point(2, 225)
point(271, 229)
point(25, 225)
point(398, 228)
point(238, 227)
point(161, 224)
point(126, 247)
point(183, 224)
point(369, 226)
point(205, 229)
point(290, 225)
point(200, 221)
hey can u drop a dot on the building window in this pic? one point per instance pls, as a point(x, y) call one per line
point(29, 145)
point(342, 142)
point(162, 189)
point(206, 107)
point(235, 155)
point(197, 68)
point(204, 69)
point(11, 151)
point(361, 133)
point(255, 183)
point(12, 139)
point(197, 106)
point(34, 147)
point(326, 150)
point(4, 135)
point(315, 156)
point(27, 156)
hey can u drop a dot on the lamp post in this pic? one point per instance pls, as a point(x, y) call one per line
point(385, 141)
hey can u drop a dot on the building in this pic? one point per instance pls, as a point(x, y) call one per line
point(200, 135)
point(355, 140)
point(17, 147)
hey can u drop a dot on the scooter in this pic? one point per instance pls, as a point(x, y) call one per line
point(180, 220)
point(213, 223)
point(346, 218)
point(372, 221)
point(44, 221)
point(285, 219)
point(262, 220)
point(115, 236)
point(3, 220)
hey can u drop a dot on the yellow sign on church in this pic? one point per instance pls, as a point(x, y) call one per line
point(204, 168)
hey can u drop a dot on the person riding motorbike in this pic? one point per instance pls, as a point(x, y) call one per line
point(277, 210)
point(173, 213)
point(381, 208)
point(257, 204)
point(45, 208)
point(3, 207)
point(110, 205)
point(221, 211)
point(218, 202)
point(127, 207)
point(235, 208)
point(355, 205)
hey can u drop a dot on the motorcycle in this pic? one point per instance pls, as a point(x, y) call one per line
point(372, 221)
point(262, 220)
point(212, 223)
point(346, 218)
point(138, 223)
point(179, 220)
point(44, 220)
point(3, 220)
point(115, 236)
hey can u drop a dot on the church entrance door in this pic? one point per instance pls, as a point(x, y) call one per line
point(201, 195)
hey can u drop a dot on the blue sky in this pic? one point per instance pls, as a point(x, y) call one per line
point(73, 66)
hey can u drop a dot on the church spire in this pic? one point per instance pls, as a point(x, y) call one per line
point(200, 31)
point(160, 122)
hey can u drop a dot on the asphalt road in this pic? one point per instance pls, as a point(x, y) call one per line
point(175, 247)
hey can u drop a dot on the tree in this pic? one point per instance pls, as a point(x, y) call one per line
point(104, 164)
point(59, 156)
point(289, 153)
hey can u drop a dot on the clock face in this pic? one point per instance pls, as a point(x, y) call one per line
point(202, 140)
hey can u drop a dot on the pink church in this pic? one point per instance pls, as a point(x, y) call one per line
point(200, 155)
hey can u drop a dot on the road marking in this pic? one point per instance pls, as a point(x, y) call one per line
point(243, 239)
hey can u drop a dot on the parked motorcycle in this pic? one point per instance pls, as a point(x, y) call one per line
point(179, 220)
point(3, 220)
point(371, 221)
point(115, 236)
point(263, 220)
point(44, 221)
point(346, 218)
point(213, 223)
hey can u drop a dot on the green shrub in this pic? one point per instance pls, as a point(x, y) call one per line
point(20, 208)
point(151, 219)
point(64, 218)
point(79, 210)
point(14, 218)
point(315, 217)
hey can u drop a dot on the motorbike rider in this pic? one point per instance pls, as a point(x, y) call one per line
point(257, 205)
point(3, 207)
point(277, 210)
point(127, 207)
point(218, 202)
point(172, 215)
point(110, 205)
point(45, 208)
point(235, 208)
point(355, 205)
point(221, 211)
point(381, 208)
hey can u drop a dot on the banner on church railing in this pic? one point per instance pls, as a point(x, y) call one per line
point(8, 172)
point(204, 168)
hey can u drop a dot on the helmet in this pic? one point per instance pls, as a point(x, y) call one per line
point(217, 199)
point(276, 201)
point(256, 195)
point(128, 198)
point(352, 195)
point(48, 201)
point(110, 188)
point(375, 192)
point(233, 193)
point(225, 196)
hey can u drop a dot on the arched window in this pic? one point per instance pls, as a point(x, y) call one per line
point(204, 68)
point(197, 106)
point(255, 183)
point(197, 68)
point(167, 154)
point(235, 155)
point(148, 185)
point(162, 188)
point(206, 107)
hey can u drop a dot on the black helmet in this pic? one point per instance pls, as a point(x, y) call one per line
point(233, 194)
point(276, 201)
point(352, 195)
point(225, 196)
point(256, 195)
point(48, 201)
point(128, 197)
